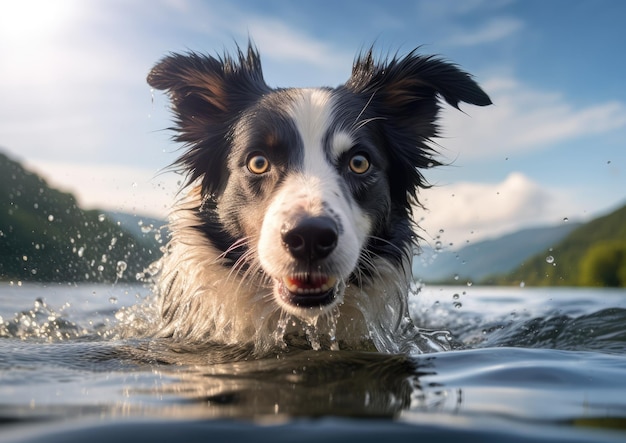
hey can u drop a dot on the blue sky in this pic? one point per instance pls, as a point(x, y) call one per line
point(75, 105)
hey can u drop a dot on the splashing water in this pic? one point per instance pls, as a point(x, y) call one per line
point(41, 323)
point(323, 328)
point(120, 268)
point(313, 336)
point(281, 329)
point(140, 319)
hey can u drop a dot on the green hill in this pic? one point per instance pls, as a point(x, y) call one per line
point(485, 258)
point(592, 255)
point(45, 236)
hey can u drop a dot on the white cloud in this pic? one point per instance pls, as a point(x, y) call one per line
point(492, 31)
point(283, 42)
point(277, 39)
point(112, 187)
point(439, 10)
point(469, 211)
point(523, 119)
point(65, 91)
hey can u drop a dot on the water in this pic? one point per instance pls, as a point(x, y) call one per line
point(527, 365)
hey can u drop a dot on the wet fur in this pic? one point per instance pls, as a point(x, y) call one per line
point(218, 278)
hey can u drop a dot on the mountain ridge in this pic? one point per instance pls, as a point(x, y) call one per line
point(479, 260)
point(46, 236)
point(594, 254)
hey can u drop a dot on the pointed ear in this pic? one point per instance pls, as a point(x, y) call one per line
point(402, 94)
point(408, 87)
point(207, 94)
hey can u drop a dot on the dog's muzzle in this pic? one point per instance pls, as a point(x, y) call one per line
point(309, 242)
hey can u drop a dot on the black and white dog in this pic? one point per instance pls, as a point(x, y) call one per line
point(296, 215)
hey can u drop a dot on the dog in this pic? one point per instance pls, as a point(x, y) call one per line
point(295, 219)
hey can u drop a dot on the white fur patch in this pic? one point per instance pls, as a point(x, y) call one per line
point(341, 142)
point(314, 190)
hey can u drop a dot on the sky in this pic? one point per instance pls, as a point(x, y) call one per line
point(75, 107)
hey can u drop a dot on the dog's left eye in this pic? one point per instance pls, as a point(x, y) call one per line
point(258, 164)
point(359, 164)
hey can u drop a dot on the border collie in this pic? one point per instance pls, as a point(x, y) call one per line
point(295, 221)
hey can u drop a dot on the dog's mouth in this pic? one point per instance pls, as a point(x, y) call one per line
point(308, 290)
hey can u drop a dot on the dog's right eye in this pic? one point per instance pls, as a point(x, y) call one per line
point(359, 164)
point(258, 164)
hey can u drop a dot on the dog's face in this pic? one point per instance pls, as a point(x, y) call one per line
point(300, 186)
point(308, 187)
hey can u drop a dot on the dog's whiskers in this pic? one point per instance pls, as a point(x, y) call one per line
point(367, 259)
point(246, 268)
point(389, 243)
point(240, 243)
point(366, 121)
point(245, 265)
point(365, 107)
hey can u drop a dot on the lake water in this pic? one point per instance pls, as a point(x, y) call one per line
point(529, 364)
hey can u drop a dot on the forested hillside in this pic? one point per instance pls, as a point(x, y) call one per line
point(592, 255)
point(46, 236)
point(485, 258)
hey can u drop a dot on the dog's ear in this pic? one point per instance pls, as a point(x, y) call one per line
point(207, 94)
point(402, 93)
point(408, 87)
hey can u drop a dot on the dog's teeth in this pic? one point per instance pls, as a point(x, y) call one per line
point(297, 286)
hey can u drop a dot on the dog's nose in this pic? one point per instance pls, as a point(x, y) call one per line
point(312, 238)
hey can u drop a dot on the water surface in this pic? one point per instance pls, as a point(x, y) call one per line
point(527, 365)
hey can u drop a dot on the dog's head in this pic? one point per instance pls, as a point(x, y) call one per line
point(308, 187)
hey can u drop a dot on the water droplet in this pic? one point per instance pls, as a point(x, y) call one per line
point(51, 218)
point(458, 305)
point(455, 296)
point(549, 259)
point(113, 300)
point(522, 284)
point(101, 217)
point(565, 219)
point(438, 246)
point(146, 229)
point(81, 251)
point(120, 268)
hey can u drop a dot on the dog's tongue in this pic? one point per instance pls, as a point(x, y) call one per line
point(309, 283)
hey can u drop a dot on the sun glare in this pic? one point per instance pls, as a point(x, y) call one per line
point(34, 19)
